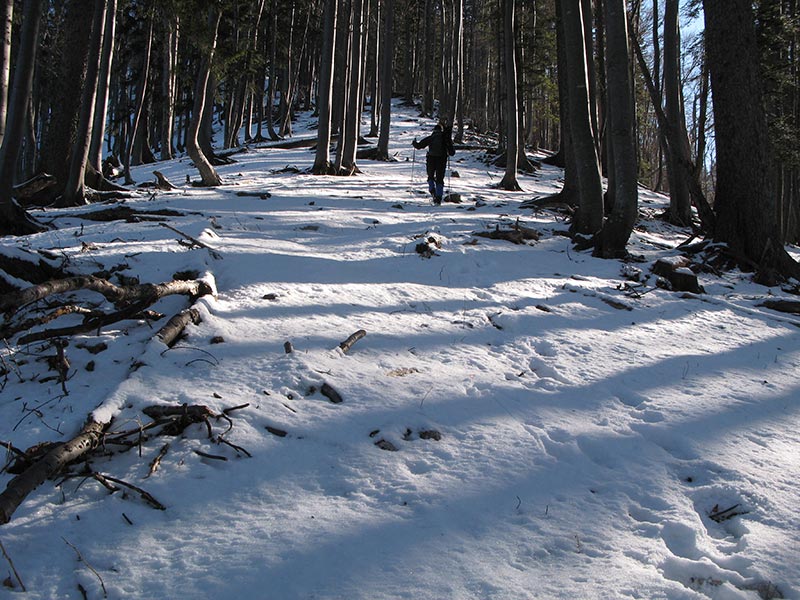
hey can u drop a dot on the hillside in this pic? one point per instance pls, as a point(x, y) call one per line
point(519, 421)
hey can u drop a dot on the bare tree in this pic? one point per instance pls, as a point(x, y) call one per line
point(618, 227)
point(103, 83)
point(509, 181)
point(208, 173)
point(589, 218)
point(680, 210)
point(6, 22)
point(387, 49)
point(74, 192)
point(746, 200)
point(13, 219)
point(322, 162)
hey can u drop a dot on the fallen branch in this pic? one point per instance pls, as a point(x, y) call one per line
point(330, 393)
point(195, 241)
point(785, 306)
point(113, 293)
point(518, 234)
point(88, 566)
point(51, 463)
point(348, 343)
point(163, 182)
point(146, 496)
point(154, 464)
point(170, 332)
point(13, 568)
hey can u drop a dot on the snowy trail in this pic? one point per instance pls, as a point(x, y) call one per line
point(585, 435)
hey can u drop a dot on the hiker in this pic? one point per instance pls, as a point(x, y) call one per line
point(440, 146)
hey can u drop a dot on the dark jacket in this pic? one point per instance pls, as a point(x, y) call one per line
point(439, 143)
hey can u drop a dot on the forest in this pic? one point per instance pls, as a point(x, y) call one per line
point(612, 89)
point(246, 355)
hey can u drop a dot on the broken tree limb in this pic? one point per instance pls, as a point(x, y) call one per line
point(786, 306)
point(195, 241)
point(92, 324)
point(163, 182)
point(56, 459)
point(172, 331)
point(112, 292)
point(330, 393)
point(348, 343)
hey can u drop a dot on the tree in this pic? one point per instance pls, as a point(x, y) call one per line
point(6, 22)
point(322, 162)
point(680, 209)
point(103, 82)
point(169, 79)
point(387, 49)
point(136, 131)
point(589, 218)
point(623, 161)
point(746, 199)
point(13, 219)
point(74, 193)
point(208, 173)
point(509, 181)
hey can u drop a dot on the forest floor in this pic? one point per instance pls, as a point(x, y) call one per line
point(519, 421)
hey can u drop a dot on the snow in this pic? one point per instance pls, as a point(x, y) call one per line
point(589, 424)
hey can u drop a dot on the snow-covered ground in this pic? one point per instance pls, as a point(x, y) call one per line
point(586, 432)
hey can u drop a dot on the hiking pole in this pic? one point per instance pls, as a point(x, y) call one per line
point(449, 177)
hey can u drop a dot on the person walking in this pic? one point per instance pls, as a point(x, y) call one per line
point(440, 146)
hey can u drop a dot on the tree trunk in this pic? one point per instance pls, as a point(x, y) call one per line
point(74, 190)
point(103, 88)
point(322, 163)
point(141, 92)
point(509, 181)
point(13, 219)
point(6, 22)
point(746, 200)
point(387, 49)
point(589, 218)
point(352, 124)
point(680, 211)
point(619, 225)
point(169, 76)
point(208, 174)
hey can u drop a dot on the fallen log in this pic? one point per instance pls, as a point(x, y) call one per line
point(54, 461)
point(785, 306)
point(33, 186)
point(112, 292)
point(170, 332)
point(348, 343)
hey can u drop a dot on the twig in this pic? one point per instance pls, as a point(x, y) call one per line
point(196, 242)
point(211, 456)
point(222, 440)
point(157, 460)
point(228, 411)
point(13, 568)
point(145, 495)
point(88, 566)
